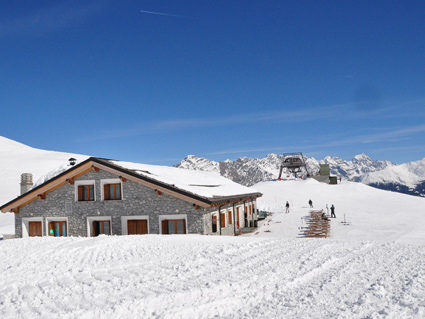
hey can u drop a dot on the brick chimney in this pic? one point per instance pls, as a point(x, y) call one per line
point(26, 182)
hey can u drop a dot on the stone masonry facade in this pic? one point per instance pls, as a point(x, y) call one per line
point(137, 200)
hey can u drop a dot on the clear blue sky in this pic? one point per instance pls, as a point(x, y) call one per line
point(155, 81)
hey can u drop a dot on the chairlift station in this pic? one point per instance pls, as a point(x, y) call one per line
point(293, 163)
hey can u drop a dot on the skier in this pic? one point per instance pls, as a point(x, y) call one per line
point(287, 207)
point(310, 203)
point(333, 211)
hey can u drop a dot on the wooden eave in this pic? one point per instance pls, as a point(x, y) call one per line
point(235, 199)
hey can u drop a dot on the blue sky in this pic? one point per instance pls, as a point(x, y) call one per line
point(155, 81)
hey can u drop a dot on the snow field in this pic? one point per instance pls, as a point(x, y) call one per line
point(374, 214)
point(191, 276)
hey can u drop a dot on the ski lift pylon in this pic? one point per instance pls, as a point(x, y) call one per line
point(294, 163)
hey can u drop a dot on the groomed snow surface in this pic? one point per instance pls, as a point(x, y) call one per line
point(371, 268)
point(210, 277)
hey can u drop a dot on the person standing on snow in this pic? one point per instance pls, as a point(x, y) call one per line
point(287, 207)
point(310, 202)
point(333, 211)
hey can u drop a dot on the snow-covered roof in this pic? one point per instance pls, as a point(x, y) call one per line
point(210, 185)
point(205, 184)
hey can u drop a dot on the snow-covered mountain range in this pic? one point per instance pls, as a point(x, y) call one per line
point(406, 178)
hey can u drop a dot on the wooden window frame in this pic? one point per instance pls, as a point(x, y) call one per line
point(103, 227)
point(51, 227)
point(214, 223)
point(107, 191)
point(164, 226)
point(33, 222)
point(144, 228)
point(90, 191)
point(229, 217)
point(222, 220)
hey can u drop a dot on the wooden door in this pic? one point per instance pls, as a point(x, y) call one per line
point(137, 227)
point(34, 229)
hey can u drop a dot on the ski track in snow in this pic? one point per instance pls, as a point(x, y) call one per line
point(208, 277)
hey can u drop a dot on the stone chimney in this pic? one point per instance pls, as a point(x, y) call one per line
point(26, 182)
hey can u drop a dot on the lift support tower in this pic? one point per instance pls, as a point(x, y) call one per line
point(294, 163)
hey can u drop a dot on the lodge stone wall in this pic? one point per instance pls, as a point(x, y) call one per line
point(137, 200)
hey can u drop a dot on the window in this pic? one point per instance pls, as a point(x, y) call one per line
point(34, 229)
point(173, 226)
point(112, 191)
point(32, 226)
point(86, 193)
point(229, 217)
point(214, 224)
point(137, 226)
point(85, 190)
point(222, 220)
point(57, 229)
point(101, 227)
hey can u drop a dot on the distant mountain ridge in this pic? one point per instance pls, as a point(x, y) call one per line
point(406, 178)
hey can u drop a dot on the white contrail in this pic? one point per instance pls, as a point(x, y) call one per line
point(163, 14)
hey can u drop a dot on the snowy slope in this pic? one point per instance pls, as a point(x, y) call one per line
point(17, 158)
point(374, 214)
point(190, 276)
point(368, 269)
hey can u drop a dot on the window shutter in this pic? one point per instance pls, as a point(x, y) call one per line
point(80, 192)
point(164, 224)
point(223, 220)
point(230, 217)
point(106, 191)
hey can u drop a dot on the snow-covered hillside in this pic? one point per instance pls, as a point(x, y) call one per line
point(370, 267)
point(374, 214)
point(17, 158)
